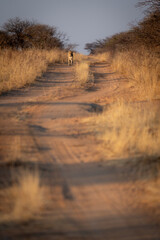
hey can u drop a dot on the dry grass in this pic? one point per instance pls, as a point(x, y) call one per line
point(18, 68)
point(101, 57)
point(83, 75)
point(79, 57)
point(143, 69)
point(24, 199)
point(129, 130)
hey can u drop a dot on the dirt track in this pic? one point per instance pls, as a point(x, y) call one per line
point(87, 198)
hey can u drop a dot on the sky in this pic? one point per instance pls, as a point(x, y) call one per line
point(83, 21)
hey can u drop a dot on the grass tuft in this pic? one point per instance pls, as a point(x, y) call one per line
point(23, 200)
point(83, 75)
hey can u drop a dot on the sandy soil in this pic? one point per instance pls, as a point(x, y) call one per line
point(87, 197)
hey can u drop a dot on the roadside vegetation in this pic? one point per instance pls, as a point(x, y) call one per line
point(19, 68)
point(26, 49)
point(131, 130)
point(143, 69)
point(136, 53)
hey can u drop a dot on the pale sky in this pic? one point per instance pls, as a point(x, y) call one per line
point(82, 20)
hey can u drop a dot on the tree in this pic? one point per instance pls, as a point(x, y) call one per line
point(146, 33)
point(96, 46)
point(4, 39)
point(43, 36)
point(153, 5)
point(16, 29)
point(26, 34)
point(71, 46)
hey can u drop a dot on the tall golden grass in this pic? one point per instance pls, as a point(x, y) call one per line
point(78, 57)
point(132, 130)
point(23, 200)
point(83, 75)
point(18, 68)
point(143, 69)
point(100, 57)
point(128, 130)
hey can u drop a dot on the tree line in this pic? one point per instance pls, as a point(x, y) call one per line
point(22, 34)
point(146, 33)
